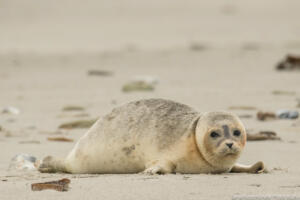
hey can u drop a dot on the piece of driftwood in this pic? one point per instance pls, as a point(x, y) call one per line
point(60, 139)
point(291, 62)
point(262, 135)
point(265, 115)
point(60, 185)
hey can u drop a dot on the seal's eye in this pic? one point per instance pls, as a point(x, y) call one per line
point(214, 134)
point(237, 133)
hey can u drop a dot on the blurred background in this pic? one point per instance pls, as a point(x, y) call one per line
point(75, 26)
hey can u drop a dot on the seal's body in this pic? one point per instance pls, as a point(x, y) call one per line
point(157, 136)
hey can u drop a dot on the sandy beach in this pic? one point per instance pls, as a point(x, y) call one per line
point(209, 55)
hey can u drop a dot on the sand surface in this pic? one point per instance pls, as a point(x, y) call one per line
point(210, 55)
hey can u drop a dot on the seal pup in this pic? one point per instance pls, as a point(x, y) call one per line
point(157, 136)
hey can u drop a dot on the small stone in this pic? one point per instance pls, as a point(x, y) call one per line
point(11, 110)
point(287, 114)
point(23, 162)
point(99, 73)
point(141, 83)
point(291, 62)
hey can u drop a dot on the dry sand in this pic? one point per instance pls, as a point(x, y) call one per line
point(47, 51)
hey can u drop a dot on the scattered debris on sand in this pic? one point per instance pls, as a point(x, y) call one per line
point(265, 115)
point(100, 73)
point(242, 108)
point(287, 114)
point(282, 92)
point(60, 185)
point(73, 108)
point(11, 110)
point(280, 114)
point(24, 162)
point(291, 62)
point(140, 83)
point(262, 135)
point(60, 139)
point(137, 86)
point(78, 124)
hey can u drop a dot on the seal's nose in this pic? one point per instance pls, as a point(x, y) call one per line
point(229, 145)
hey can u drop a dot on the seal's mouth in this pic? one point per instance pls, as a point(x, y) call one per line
point(230, 154)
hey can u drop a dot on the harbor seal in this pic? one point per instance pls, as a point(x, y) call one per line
point(157, 136)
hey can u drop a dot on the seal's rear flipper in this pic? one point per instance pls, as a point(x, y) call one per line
point(52, 165)
point(257, 168)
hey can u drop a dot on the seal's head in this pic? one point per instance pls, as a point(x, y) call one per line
point(220, 137)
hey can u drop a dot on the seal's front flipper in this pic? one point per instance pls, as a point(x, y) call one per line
point(160, 167)
point(257, 168)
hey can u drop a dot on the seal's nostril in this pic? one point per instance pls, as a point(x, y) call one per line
point(229, 144)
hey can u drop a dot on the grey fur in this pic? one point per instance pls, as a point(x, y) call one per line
point(167, 120)
point(226, 131)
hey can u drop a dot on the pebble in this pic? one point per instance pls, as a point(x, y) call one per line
point(11, 110)
point(287, 114)
point(23, 162)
